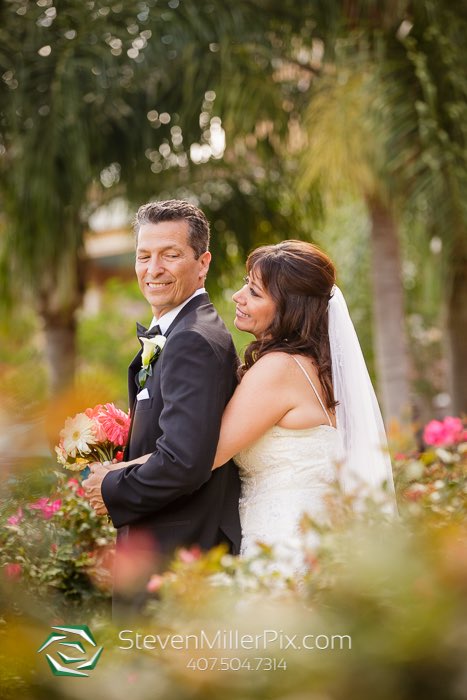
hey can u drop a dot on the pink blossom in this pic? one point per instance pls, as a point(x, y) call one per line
point(75, 486)
point(39, 504)
point(447, 432)
point(51, 508)
point(154, 583)
point(188, 556)
point(47, 507)
point(16, 518)
point(116, 424)
point(13, 571)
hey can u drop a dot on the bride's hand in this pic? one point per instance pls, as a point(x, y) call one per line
point(114, 465)
point(110, 466)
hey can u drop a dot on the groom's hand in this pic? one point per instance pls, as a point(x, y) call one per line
point(92, 487)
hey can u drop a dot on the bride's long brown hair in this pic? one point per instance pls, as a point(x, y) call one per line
point(299, 277)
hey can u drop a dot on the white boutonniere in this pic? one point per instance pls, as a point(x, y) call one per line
point(152, 348)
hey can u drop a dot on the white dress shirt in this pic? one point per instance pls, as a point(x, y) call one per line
point(165, 321)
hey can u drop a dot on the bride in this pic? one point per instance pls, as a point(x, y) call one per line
point(304, 402)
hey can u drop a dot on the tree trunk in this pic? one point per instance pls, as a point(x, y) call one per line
point(60, 351)
point(456, 327)
point(392, 359)
point(60, 297)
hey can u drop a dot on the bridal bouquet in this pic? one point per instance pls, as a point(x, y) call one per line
point(97, 435)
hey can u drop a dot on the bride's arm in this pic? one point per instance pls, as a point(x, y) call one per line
point(258, 403)
point(121, 465)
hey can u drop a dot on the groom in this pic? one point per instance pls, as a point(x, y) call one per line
point(174, 499)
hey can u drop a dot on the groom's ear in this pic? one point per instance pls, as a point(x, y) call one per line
point(204, 261)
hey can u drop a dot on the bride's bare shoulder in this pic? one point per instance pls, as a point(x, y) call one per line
point(273, 364)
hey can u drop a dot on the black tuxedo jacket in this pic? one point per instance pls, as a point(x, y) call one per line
point(175, 496)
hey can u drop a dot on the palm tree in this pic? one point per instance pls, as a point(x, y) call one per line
point(385, 118)
point(344, 154)
point(89, 94)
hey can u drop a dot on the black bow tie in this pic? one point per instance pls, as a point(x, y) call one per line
point(143, 332)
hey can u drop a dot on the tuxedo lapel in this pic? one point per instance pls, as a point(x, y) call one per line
point(135, 364)
point(133, 370)
point(197, 301)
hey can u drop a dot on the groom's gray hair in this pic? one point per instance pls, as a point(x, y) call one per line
point(177, 210)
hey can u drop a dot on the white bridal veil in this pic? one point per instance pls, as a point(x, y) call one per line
point(366, 465)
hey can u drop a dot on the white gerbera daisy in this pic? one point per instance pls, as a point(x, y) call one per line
point(77, 433)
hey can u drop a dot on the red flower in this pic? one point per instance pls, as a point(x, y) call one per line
point(13, 571)
point(75, 486)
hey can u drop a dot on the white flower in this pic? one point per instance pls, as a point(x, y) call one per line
point(61, 454)
point(151, 346)
point(77, 433)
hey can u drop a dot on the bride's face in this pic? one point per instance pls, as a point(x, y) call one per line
point(255, 308)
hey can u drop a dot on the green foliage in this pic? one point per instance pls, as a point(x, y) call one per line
point(107, 339)
point(23, 379)
point(386, 595)
point(51, 547)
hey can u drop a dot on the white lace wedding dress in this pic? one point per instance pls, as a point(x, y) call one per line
point(285, 474)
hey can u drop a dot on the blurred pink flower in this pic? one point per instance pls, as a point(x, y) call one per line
point(154, 583)
point(13, 571)
point(51, 508)
point(116, 424)
point(16, 518)
point(39, 504)
point(187, 556)
point(47, 507)
point(75, 485)
point(450, 431)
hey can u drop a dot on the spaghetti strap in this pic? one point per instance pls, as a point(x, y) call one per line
point(314, 388)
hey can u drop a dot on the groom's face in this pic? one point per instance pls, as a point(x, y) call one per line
point(167, 270)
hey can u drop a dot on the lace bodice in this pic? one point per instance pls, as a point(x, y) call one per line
point(283, 475)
